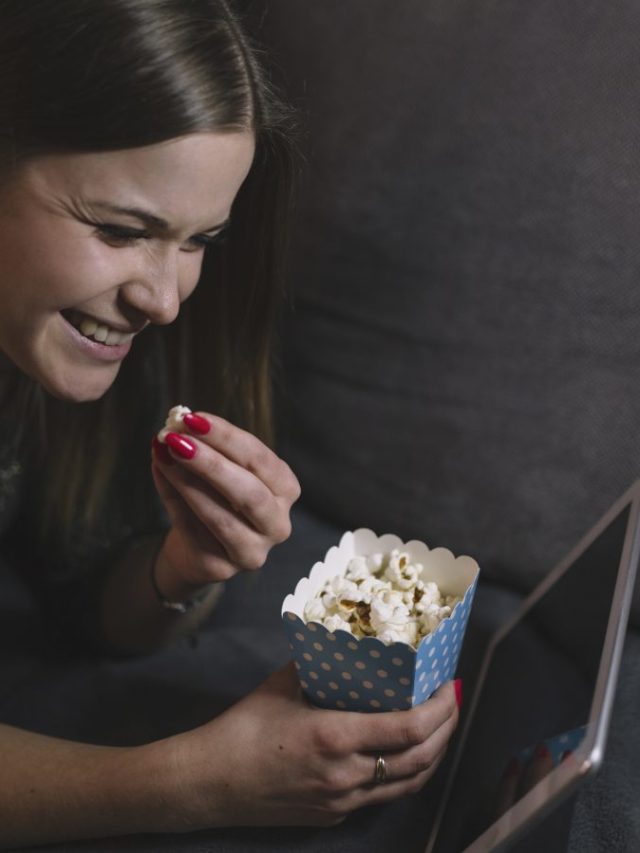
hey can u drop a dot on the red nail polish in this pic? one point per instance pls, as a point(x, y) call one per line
point(161, 451)
point(197, 423)
point(457, 685)
point(541, 751)
point(181, 446)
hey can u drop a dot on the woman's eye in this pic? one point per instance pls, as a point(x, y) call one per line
point(199, 242)
point(118, 235)
point(121, 236)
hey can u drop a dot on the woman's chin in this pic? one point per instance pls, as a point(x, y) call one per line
point(77, 387)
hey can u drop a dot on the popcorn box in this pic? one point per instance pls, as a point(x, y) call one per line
point(340, 671)
point(558, 746)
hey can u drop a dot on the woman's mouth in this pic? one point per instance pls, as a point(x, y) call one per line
point(94, 330)
point(95, 339)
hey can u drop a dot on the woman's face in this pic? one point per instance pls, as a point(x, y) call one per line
point(93, 247)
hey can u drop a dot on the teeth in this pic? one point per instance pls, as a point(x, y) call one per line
point(100, 334)
point(88, 327)
point(103, 334)
point(114, 337)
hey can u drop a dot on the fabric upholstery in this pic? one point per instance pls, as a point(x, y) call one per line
point(464, 347)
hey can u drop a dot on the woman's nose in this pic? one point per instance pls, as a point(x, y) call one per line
point(158, 287)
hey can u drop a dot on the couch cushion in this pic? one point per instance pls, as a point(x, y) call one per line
point(462, 360)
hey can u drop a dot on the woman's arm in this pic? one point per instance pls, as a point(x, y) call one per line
point(269, 760)
point(55, 790)
point(228, 498)
point(132, 618)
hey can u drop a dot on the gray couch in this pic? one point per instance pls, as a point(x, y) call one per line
point(460, 363)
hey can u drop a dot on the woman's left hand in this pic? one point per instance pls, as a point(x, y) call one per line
point(228, 497)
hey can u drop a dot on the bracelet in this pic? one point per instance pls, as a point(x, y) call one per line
point(175, 606)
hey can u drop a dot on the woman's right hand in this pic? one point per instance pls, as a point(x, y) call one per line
point(272, 759)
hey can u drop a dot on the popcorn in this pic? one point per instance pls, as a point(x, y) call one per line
point(359, 569)
point(370, 587)
point(383, 596)
point(174, 422)
point(376, 633)
point(408, 635)
point(314, 610)
point(336, 623)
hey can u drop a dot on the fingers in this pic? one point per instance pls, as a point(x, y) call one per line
point(538, 767)
point(210, 473)
point(260, 497)
point(518, 778)
point(196, 549)
point(399, 788)
point(350, 775)
point(323, 764)
point(507, 787)
point(175, 506)
point(399, 730)
point(408, 763)
point(249, 453)
point(345, 799)
point(417, 759)
point(244, 546)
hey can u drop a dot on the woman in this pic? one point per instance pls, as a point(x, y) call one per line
point(133, 133)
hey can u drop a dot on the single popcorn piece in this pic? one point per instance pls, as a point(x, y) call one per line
point(174, 422)
point(314, 610)
point(383, 596)
point(336, 623)
point(359, 569)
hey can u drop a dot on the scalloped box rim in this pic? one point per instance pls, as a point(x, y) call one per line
point(362, 542)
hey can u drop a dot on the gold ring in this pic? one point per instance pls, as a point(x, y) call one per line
point(380, 774)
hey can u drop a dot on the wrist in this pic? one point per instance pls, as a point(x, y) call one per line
point(193, 794)
point(171, 590)
point(156, 788)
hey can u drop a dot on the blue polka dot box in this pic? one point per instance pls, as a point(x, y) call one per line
point(340, 671)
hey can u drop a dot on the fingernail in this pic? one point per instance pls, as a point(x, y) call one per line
point(197, 423)
point(161, 450)
point(180, 445)
point(541, 751)
point(457, 686)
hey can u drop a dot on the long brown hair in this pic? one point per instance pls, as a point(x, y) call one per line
point(96, 75)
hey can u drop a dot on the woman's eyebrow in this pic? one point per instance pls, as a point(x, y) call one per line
point(149, 219)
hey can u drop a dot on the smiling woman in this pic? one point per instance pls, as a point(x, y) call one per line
point(96, 270)
point(80, 160)
point(133, 135)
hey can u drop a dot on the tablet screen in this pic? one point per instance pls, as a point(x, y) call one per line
point(537, 693)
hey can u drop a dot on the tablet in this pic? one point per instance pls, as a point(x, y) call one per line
point(537, 724)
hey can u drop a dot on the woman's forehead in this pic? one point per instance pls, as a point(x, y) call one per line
point(192, 177)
